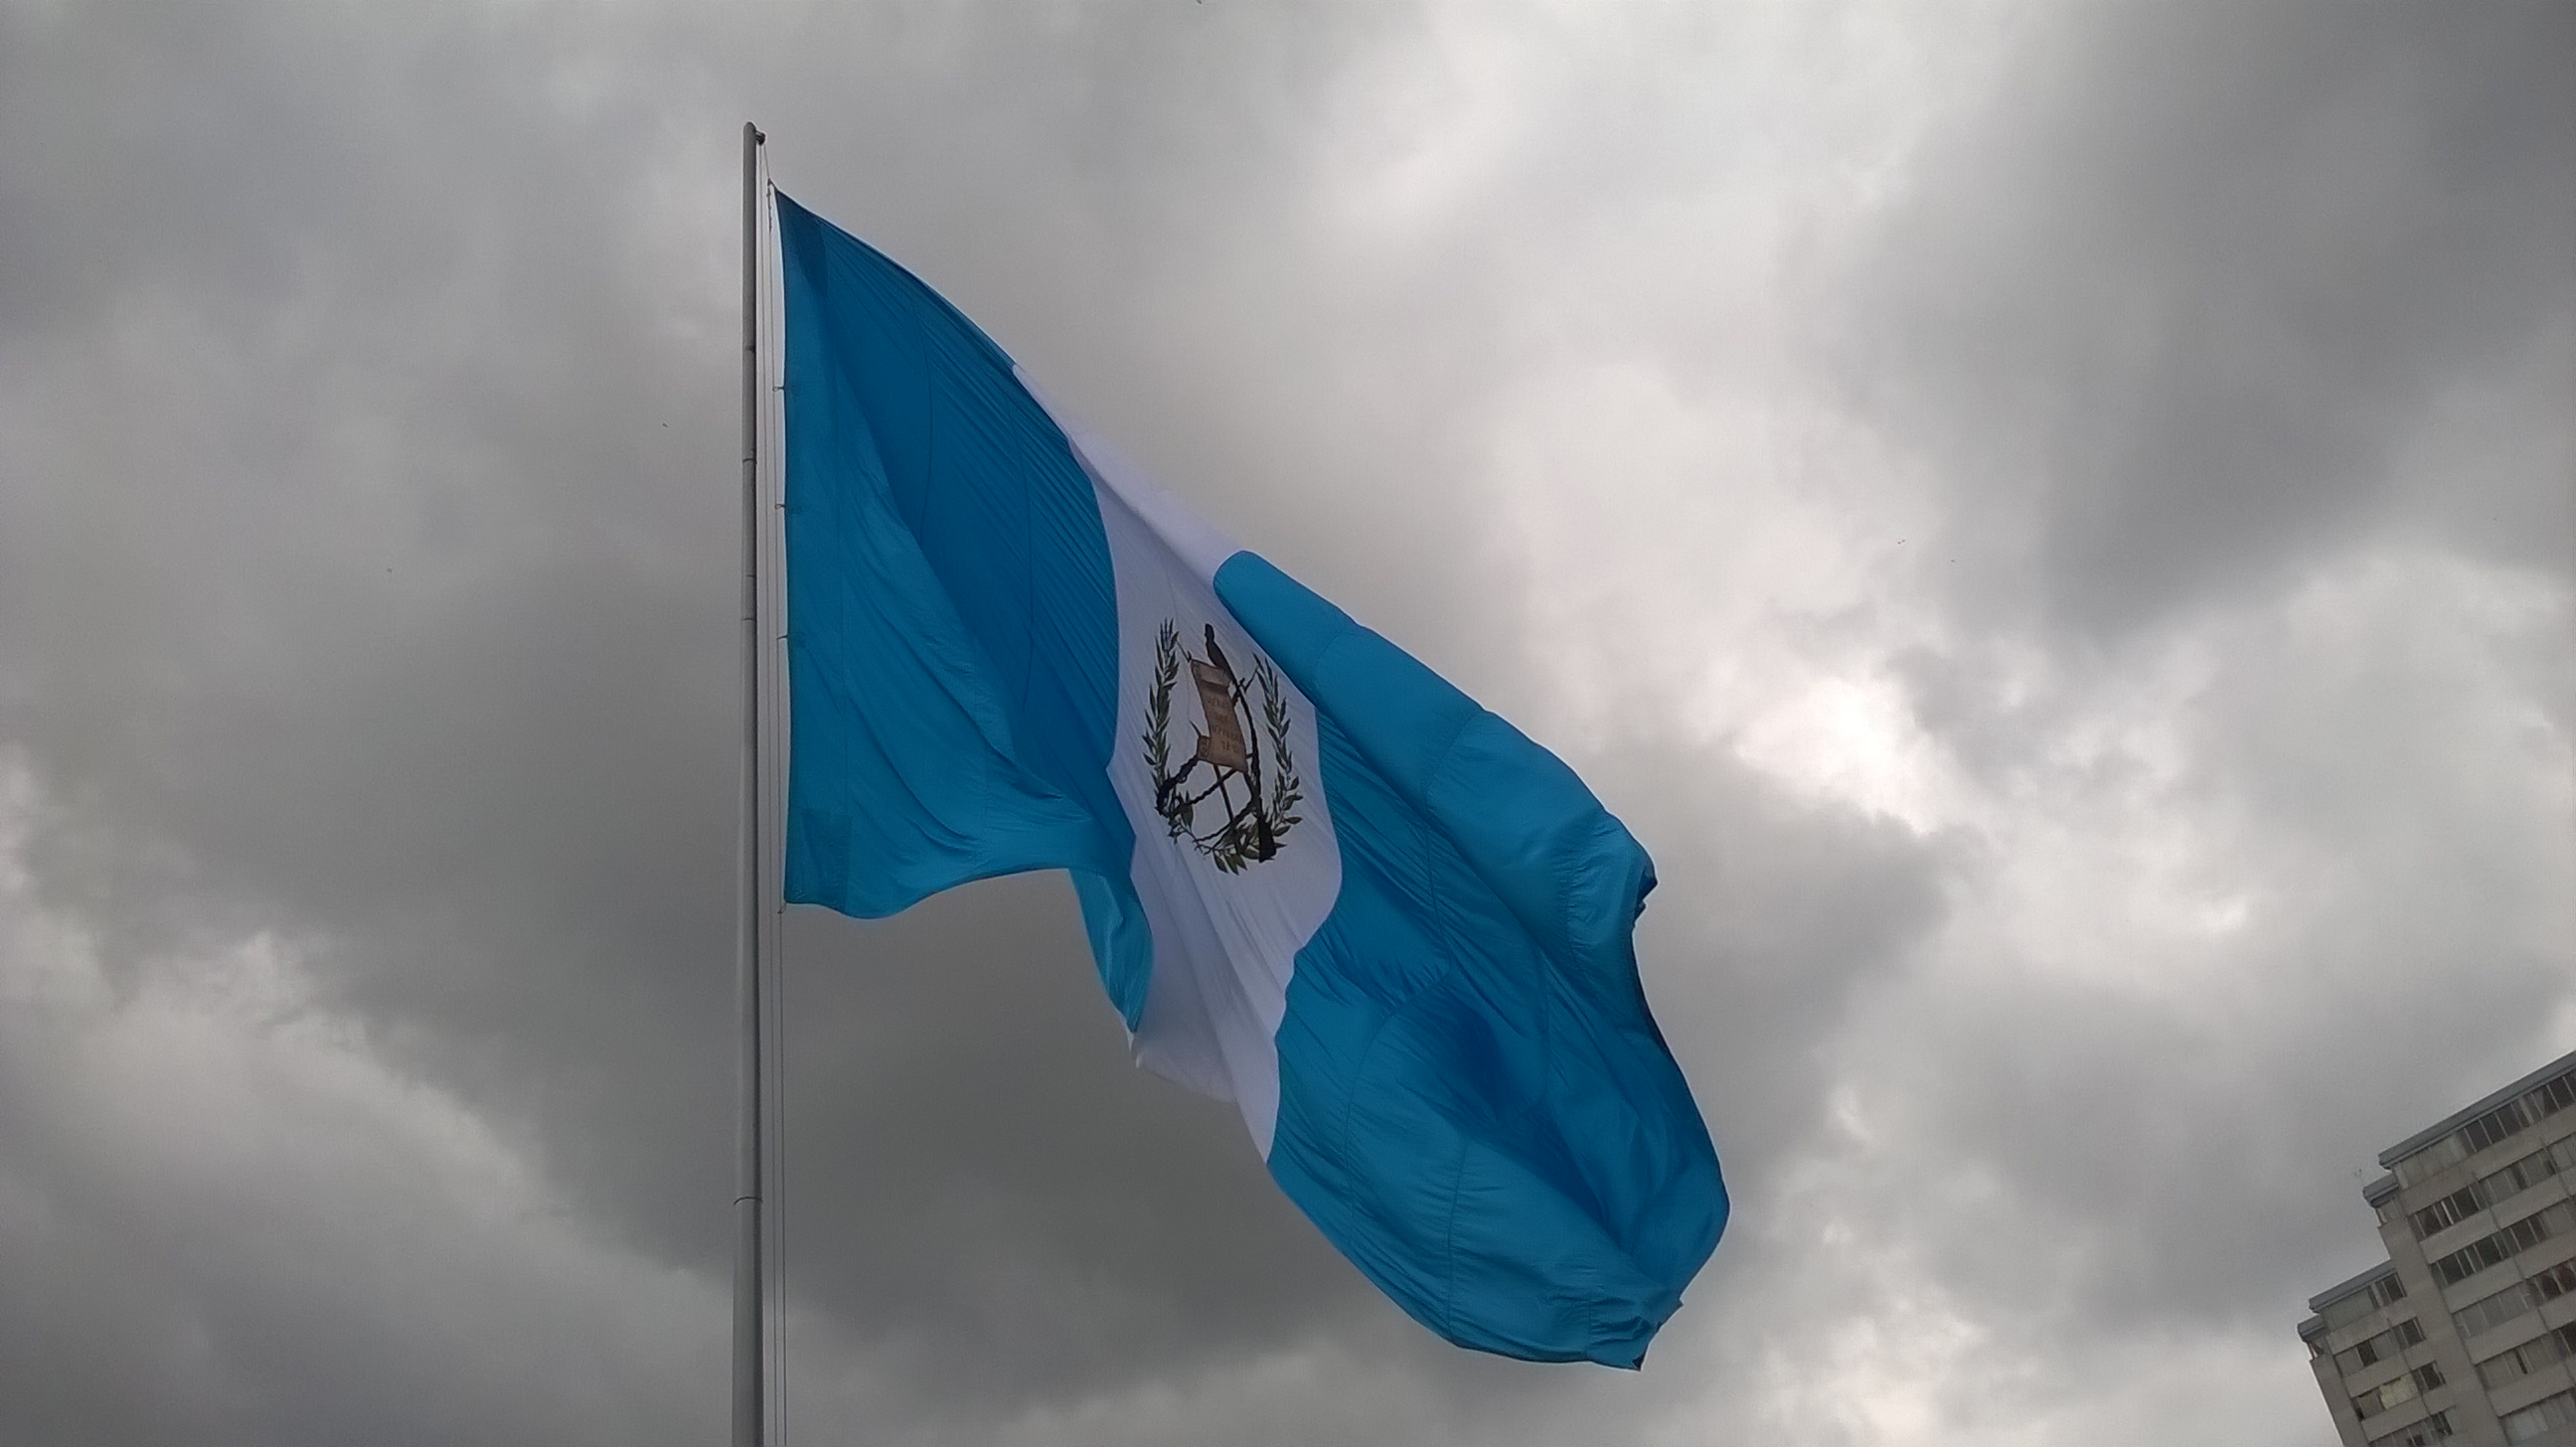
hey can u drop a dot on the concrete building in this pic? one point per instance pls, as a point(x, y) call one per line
point(2466, 1335)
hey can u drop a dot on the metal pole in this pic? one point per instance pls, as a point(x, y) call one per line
point(748, 1363)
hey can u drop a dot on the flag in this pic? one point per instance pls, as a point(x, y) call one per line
point(1318, 881)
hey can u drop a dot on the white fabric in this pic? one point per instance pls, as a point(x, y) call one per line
point(1225, 945)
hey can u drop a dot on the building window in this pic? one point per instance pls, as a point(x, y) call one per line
point(2552, 1098)
point(2489, 1312)
point(2510, 1366)
point(2398, 1391)
point(2495, 1186)
point(2538, 1103)
point(2540, 1416)
point(2506, 1244)
point(2522, 1175)
point(2531, 1356)
point(2380, 1348)
point(2432, 1429)
point(2554, 1283)
point(2345, 1310)
point(2450, 1211)
point(2441, 1155)
point(2493, 1126)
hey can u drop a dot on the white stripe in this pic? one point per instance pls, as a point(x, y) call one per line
point(1225, 945)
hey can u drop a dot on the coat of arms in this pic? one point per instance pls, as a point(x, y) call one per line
point(1246, 800)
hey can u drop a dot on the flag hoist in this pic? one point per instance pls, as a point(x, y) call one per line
point(1318, 880)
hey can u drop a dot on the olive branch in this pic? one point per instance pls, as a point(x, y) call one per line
point(1285, 788)
point(1158, 719)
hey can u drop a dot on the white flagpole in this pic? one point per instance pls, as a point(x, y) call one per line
point(749, 1366)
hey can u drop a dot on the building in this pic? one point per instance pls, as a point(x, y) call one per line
point(2466, 1335)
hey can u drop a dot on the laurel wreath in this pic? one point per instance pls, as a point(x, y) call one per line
point(1236, 844)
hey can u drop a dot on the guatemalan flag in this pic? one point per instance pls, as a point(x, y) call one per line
point(1318, 880)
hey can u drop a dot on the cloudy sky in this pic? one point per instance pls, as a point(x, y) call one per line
point(2053, 523)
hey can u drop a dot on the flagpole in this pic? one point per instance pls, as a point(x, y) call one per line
point(748, 1364)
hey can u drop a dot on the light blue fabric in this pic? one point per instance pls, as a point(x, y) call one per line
point(952, 618)
point(1475, 1104)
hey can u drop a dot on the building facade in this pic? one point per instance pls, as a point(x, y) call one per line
point(2466, 1335)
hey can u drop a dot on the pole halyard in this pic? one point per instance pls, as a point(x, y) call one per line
point(749, 1363)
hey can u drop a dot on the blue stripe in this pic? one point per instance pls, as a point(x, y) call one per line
point(953, 640)
point(1475, 1104)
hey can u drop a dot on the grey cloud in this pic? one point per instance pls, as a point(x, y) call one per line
point(225, 1222)
point(2373, 918)
point(2170, 311)
point(356, 589)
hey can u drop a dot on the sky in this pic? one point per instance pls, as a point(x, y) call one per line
point(2055, 525)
